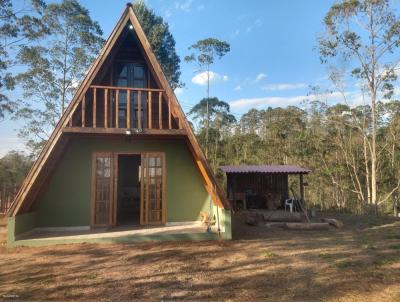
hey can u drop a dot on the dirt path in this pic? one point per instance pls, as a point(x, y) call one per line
point(358, 263)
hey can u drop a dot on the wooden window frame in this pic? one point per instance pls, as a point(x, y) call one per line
point(94, 189)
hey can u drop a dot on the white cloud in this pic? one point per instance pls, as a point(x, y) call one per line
point(167, 13)
point(201, 78)
point(266, 101)
point(281, 87)
point(178, 91)
point(238, 88)
point(260, 77)
point(11, 143)
point(255, 24)
point(184, 5)
point(262, 102)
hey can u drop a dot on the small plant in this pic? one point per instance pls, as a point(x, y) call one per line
point(324, 255)
point(395, 246)
point(268, 254)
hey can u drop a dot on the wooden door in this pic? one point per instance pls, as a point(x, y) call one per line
point(153, 207)
point(102, 189)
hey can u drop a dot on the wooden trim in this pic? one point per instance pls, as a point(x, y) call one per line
point(128, 109)
point(94, 107)
point(139, 121)
point(149, 110)
point(127, 88)
point(117, 109)
point(160, 109)
point(105, 108)
point(142, 216)
point(83, 111)
point(94, 192)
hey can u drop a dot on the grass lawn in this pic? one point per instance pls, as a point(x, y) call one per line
point(360, 262)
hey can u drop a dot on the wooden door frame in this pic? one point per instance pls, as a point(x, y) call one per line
point(94, 187)
point(114, 187)
point(144, 221)
point(115, 196)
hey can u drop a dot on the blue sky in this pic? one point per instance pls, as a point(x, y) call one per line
point(272, 59)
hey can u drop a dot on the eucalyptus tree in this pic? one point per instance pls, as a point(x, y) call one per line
point(19, 24)
point(218, 112)
point(204, 54)
point(55, 66)
point(365, 35)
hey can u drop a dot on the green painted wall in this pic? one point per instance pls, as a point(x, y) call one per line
point(19, 224)
point(66, 202)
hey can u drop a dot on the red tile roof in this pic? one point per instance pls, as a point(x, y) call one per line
point(285, 169)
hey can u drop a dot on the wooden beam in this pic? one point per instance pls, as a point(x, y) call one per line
point(88, 130)
point(128, 109)
point(106, 108)
point(160, 110)
point(127, 88)
point(149, 109)
point(302, 188)
point(83, 111)
point(94, 107)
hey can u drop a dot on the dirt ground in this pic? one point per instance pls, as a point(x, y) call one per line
point(360, 262)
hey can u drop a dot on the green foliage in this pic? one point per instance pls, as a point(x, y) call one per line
point(13, 168)
point(207, 50)
point(18, 26)
point(161, 41)
point(55, 66)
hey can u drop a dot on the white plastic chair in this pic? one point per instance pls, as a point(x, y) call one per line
point(289, 203)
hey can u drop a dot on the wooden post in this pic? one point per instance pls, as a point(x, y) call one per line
point(139, 113)
point(169, 114)
point(83, 111)
point(150, 115)
point(302, 188)
point(160, 109)
point(94, 106)
point(128, 109)
point(116, 108)
point(106, 108)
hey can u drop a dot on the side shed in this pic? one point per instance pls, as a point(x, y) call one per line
point(262, 186)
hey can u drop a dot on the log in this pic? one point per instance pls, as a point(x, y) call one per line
point(333, 222)
point(307, 226)
point(275, 224)
point(282, 217)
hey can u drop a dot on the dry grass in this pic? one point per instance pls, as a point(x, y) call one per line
point(358, 263)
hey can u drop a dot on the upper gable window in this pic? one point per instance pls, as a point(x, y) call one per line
point(130, 75)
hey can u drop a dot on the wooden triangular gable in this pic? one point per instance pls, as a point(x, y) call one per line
point(58, 141)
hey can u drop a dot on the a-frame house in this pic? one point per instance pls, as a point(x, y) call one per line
point(122, 154)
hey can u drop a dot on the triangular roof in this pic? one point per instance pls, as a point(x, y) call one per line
point(57, 141)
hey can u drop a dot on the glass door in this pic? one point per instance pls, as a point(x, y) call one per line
point(131, 75)
point(102, 189)
point(152, 188)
